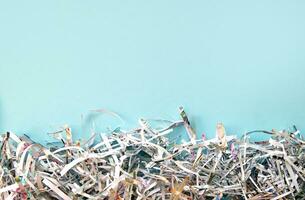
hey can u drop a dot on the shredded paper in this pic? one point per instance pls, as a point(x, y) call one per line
point(146, 163)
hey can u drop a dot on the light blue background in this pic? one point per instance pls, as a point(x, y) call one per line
point(239, 62)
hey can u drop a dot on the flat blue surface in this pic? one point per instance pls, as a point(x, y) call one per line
point(238, 62)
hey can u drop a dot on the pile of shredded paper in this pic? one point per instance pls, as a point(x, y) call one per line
point(144, 163)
